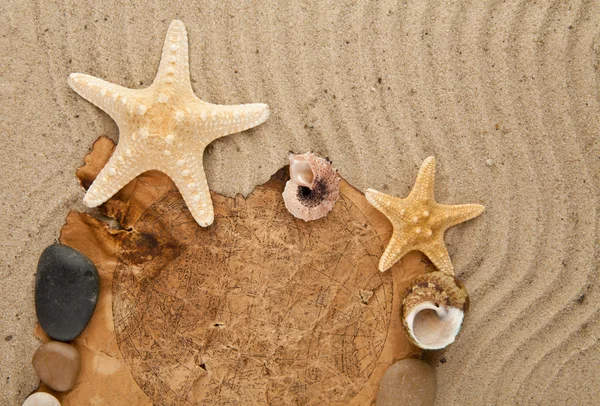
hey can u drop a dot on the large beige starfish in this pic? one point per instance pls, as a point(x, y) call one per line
point(419, 221)
point(164, 127)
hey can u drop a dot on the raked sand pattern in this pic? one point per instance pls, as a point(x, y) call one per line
point(505, 95)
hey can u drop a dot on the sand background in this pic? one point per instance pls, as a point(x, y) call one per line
point(504, 94)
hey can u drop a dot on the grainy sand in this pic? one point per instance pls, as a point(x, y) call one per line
point(504, 94)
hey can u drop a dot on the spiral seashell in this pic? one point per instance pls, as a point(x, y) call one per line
point(433, 309)
point(313, 187)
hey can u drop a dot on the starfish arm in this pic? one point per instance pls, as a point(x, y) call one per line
point(215, 121)
point(388, 205)
point(438, 254)
point(395, 250)
point(107, 96)
point(118, 172)
point(174, 69)
point(456, 214)
point(190, 179)
point(423, 189)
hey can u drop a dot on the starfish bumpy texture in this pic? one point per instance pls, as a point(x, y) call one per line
point(419, 221)
point(164, 127)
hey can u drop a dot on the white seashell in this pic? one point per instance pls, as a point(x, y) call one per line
point(433, 310)
point(313, 187)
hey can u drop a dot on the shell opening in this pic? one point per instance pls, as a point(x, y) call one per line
point(300, 171)
point(434, 327)
point(304, 192)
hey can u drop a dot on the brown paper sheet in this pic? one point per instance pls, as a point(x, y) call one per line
point(259, 308)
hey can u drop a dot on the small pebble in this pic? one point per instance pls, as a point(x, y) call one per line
point(41, 399)
point(409, 382)
point(489, 162)
point(57, 365)
point(66, 291)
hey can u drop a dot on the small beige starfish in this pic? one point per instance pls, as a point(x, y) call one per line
point(164, 127)
point(419, 221)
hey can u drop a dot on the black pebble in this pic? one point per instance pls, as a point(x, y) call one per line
point(66, 291)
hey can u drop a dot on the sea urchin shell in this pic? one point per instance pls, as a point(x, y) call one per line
point(313, 187)
point(433, 309)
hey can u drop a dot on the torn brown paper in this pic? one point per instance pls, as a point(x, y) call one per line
point(258, 308)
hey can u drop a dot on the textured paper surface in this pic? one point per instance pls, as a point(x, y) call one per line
point(259, 308)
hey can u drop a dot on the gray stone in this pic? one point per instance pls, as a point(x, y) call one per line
point(57, 365)
point(409, 382)
point(66, 291)
point(41, 399)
